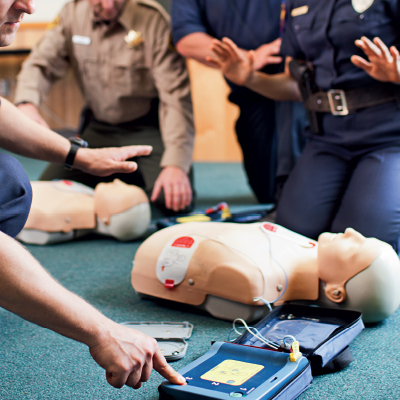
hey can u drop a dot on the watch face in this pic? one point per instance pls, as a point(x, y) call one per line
point(78, 141)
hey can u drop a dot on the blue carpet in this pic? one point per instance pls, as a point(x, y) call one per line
point(36, 363)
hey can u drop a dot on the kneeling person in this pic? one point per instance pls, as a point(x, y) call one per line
point(135, 87)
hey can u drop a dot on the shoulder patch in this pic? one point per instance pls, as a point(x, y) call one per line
point(55, 23)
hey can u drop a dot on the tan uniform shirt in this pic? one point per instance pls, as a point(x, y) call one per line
point(117, 82)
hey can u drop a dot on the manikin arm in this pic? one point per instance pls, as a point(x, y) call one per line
point(21, 135)
point(26, 289)
point(238, 68)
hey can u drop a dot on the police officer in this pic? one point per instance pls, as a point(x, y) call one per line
point(347, 175)
point(252, 24)
point(133, 84)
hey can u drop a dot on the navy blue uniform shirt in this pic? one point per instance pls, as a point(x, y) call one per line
point(325, 35)
point(249, 23)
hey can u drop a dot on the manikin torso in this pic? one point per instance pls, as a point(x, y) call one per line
point(243, 262)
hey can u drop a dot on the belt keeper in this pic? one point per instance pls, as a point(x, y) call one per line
point(337, 102)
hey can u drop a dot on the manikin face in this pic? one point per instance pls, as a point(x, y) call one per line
point(342, 256)
point(347, 243)
point(11, 14)
point(106, 10)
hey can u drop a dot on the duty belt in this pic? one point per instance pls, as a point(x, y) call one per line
point(342, 102)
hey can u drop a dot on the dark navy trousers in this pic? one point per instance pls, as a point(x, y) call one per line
point(332, 188)
point(265, 155)
point(15, 195)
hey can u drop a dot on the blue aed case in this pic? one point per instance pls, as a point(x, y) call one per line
point(248, 368)
point(230, 370)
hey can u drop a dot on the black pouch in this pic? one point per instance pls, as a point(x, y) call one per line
point(323, 334)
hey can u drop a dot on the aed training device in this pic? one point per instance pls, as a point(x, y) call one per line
point(230, 370)
point(275, 359)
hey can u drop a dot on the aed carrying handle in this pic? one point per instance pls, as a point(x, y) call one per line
point(303, 73)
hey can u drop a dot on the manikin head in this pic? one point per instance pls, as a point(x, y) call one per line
point(359, 273)
point(106, 10)
point(11, 15)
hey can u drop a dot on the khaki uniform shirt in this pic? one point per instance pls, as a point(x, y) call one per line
point(117, 81)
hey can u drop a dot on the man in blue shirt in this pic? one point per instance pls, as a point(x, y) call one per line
point(253, 25)
point(26, 289)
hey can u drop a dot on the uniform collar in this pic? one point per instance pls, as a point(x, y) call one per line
point(124, 19)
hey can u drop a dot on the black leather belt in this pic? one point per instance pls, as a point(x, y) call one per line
point(342, 102)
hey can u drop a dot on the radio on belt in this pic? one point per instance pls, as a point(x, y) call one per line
point(248, 368)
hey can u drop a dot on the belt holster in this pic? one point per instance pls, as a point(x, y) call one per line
point(303, 73)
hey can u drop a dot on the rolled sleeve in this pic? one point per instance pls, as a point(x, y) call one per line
point(187, 18)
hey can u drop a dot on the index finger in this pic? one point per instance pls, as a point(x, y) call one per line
point(382, 46)
point(136, 151)
point(370, 48)
point(164, 369)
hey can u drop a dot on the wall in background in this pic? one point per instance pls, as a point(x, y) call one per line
point(47, 10)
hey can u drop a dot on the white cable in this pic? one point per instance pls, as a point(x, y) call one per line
point(258, 336)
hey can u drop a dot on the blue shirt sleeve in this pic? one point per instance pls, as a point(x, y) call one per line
point(186, 18)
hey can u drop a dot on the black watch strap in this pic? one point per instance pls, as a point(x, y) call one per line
point(76, 144)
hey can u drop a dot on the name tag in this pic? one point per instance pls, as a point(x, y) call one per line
point(77, 39)
point(299, 11)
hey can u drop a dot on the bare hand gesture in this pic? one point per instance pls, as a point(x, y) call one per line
point(176, 185)
point(129, 356)
point(383, 64)
point(267, 54)
point(110, 160)
point(236, 65)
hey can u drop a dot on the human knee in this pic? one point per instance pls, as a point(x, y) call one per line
point(15, 196)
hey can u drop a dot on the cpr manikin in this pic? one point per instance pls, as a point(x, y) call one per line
point(231, 270)
point(63, 210)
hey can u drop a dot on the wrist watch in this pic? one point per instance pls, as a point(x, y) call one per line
point(76, 144)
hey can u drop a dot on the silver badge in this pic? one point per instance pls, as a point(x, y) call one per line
point(361, 5)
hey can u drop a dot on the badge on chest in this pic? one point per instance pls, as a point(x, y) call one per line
point(361, 5)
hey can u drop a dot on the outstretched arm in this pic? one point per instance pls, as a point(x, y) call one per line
point(383, 64)
point(197, 45)
point(26, 289)
point(239, 69)
point(21, 135)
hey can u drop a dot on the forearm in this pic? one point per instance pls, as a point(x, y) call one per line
point(197, 46)
point(280, 87)
point(27, 290)
point(23, 136)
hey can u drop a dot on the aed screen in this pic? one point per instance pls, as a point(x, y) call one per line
point(232, 372)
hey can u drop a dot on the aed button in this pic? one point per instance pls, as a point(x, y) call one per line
point(237, 394)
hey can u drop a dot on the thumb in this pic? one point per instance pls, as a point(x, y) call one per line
point(115, 380)
point(251, 56)
point(156, 191)
point(124, 167)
